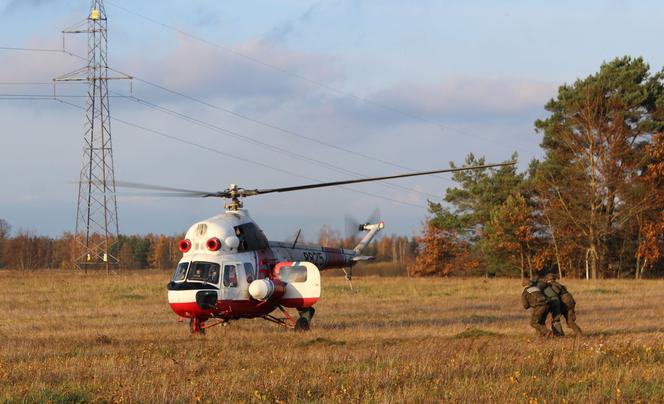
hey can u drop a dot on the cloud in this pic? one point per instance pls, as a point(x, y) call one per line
point(462, 98)
point(28, 66)
point(253, 69)
point(207, 16)
point(13, 5)
point(282, 31)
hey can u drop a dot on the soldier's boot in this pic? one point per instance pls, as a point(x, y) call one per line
point(557, 329)
point(571, 322)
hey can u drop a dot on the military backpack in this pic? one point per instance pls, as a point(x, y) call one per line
point(532, 296)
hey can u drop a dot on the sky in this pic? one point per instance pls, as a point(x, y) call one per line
point(269, 94)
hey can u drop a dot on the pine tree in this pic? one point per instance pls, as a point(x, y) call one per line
point(594, 141)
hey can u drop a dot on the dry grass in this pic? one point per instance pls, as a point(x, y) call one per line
point(71, 338)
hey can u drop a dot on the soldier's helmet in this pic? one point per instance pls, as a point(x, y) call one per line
point(550, 277)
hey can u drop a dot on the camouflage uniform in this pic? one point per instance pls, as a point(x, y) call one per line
point(532, 297)
point(567, 306)
point(553, 302)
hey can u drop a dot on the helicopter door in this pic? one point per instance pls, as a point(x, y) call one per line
point(302, 281)
point(265, 268)
point(230, 280)
point(247, 275)
point(266, 262)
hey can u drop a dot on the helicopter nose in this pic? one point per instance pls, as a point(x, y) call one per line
point(192, 303)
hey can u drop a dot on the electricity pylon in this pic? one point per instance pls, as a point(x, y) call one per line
point(97, 211)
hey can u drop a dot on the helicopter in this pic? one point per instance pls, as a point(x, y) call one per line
point(229, 270)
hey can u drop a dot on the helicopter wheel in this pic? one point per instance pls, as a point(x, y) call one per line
point(302, 324)
point(196, 326)
point(307, 313)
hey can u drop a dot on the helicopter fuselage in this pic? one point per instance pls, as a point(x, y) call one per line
point(229, 270)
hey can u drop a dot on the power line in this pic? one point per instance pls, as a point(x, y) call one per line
point(275, 127)
point(217, 129)
point(281, 150)
point(225, 132)
point(254, 120)
point(229, 155)
point(250, 119)
point(24, 83)
point(51, 96)
point(25, 98)
point(268, 125)
point(13, 48)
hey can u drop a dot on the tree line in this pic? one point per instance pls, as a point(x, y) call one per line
point(28, 251)
point(592, 207)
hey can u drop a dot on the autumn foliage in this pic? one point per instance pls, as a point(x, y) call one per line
point(441, 253)
point(591, 207)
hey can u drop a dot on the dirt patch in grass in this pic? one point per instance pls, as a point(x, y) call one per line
point(604, 291)
point(476, 332)
point(324, 341)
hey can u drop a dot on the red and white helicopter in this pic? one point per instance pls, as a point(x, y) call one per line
point(229, 270)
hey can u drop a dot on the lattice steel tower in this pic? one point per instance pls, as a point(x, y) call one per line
point(97, 212)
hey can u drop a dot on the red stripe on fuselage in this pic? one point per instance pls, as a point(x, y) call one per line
point(225, 309)
point(233, 309)
point(299, 302)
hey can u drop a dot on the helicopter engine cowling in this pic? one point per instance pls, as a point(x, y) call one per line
point(267, 289)
point(302, 281)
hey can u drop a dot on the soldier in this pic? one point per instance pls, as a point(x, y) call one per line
point(567, 305)
point(553, 301)
point(532, 297)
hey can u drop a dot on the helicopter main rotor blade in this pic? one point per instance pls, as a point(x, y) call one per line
point(250, 192)
point(168, 191)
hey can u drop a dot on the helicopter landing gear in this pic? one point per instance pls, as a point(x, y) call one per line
point(307, 313)
point(302, 323)
point(196, 326)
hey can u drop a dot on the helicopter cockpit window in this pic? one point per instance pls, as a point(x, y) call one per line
point(214, 275)
point(251, 237)
point(230, 276)
point(180, 272)
point(204, 272)
point(293, 274)
point(249, 272)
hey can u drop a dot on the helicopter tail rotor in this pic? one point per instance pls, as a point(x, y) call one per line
point(371, 227)
point(353, 227)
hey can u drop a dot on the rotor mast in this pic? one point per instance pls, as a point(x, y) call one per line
point(234, 195)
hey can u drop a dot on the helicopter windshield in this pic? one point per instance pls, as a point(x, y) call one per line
point(180, 272)
point(204, 272)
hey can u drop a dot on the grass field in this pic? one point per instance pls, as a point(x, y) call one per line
point(66, 337)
